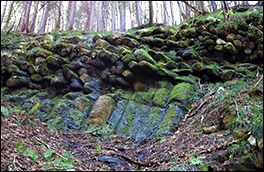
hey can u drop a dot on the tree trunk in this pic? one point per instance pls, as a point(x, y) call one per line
point(180, 10)
point(138, 13)
point(113, 15)
point(26, 19)
point(172, 14)
point(105, 14)
point(131, 14)
point(33, 21)
point(44, 17)
point(150, 13)
point(3, 14)
point(59, 18)
point(165, 13)
point(92, 16)
point(9, 15)
point(100, 16)
point(124, 15)
point(188, 11)
point(214, 6)
point(71, 16)
point(68, 15)
point(203, 8)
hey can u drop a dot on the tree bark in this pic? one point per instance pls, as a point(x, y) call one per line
point(33, 21)
point(100, 16)
point(59, 18)
point(113, 15)
point(92, 16)
point(68, 14)
point(203, 7)
point(9, 15)
point(3, 14)
point(138, 13)
point(165, 13)
point(172, 14)
point(150, 13)
point(214, 6)
point(124, 16)
point(44, 17)
point(188, 11)
point(131, 14)
point(72, 13)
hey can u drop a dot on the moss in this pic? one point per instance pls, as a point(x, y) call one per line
point(182, 93)
point(161, 97)
point(145, 56)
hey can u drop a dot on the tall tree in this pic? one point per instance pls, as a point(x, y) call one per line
point(100, 16)
point(44, 17)
point(92, 15)
point(3, 14)
point(150, 13)
point(165, 13)
point(187, 10)
point(9, 15)
point(172, 14)
point(124, 16)
point(33, 21)
point(180, 10)
point(204, 8)
point(138, 12)
point(113, 15)
point(57, 25)
point(70, 20)
point(131, 12)
point(214, 6)
point(24, 25)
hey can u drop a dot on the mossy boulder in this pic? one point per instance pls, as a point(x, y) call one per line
point(170, 120)
point(182, 93)
point(40, 52)
point(101, 110)
point(17, 81)
point(161, 97)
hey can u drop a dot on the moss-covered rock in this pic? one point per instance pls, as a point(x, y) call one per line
point(161, 97)
point(101, 110)
point(40, 52)
point(182, 93)
point(17, 81)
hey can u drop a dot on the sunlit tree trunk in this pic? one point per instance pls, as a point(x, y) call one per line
point(138, 12)
point(113, 15)
point(33, 21)
point(187, 10)
point(44, 17)
point(214, 6)
point(3, 14)
point(131, 12)
point(59, 18)
point(204, 8)
point(70, 22)
point(9, 15)
point(92, 16)
point(172, 13)
point(180, 10)
point(100, 16)
point(124, 16)
point(165, 13)
point(150, 13)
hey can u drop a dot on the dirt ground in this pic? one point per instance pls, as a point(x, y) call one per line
point(92, 152)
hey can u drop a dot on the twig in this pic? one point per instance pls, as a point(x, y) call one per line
point(85, 132)
point(257, 83)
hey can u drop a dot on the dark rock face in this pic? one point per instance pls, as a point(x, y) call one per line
point(138, 62)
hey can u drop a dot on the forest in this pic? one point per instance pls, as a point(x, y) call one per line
point(47, 16)
point(132, 85)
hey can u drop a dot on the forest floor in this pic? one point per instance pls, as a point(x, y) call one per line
point(28, 144)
